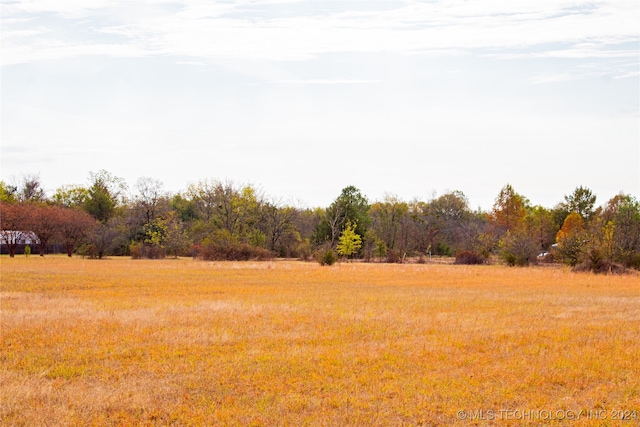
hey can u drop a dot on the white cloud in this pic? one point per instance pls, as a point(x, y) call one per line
point(326, 81)
point(250, 29)
point(554, 78)
point(72, 9)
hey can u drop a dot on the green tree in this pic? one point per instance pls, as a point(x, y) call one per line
point(349, 242)
point(71, 196)
point(104, 195)
point(184, 207)
point(540, 225)
point(107, 237)
point(349, 206)
point(597, 250)
point(100, 204)
point(7, 193)
point(225, 213)
point(624, 213)
point(582, 201)
point(448, 214)
point(381, 249)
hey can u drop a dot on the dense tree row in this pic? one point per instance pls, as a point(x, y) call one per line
point(212, 219)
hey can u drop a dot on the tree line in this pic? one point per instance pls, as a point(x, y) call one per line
point(220, 220)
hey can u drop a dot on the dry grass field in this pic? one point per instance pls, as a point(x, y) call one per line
point(189, 343)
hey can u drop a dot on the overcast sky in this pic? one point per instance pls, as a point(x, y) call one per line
point(303, 98)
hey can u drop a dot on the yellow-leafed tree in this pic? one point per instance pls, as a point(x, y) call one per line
point(350, 241)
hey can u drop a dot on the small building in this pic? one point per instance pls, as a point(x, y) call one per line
point(20, 238)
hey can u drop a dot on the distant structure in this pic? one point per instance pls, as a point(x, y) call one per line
point(18, 238)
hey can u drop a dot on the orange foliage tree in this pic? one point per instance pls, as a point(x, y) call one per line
point(570, 238)
point(509, 209)
point(75, 225)
point(45, 223)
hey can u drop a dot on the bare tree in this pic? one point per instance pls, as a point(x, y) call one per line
point(334, 218)
point(204, 195)
point(148, 198)
point(387, 219)
point(277, 223)
point(14, 224)
point(29, 189)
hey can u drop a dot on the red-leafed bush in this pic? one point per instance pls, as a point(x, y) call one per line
point(469, 258)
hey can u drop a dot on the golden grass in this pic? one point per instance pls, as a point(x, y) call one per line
point(182, 342)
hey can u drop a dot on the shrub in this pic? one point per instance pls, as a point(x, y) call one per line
point(593, 259)
point(304, 250)
point(469, 258)
point(393, 256)
point(443, 249)
point(135, 249)
point(381, 248)
point(143, 250)
point(212, 251)
point(327, 257)
point(602, 266)
point(87, 250)
point(518, 248)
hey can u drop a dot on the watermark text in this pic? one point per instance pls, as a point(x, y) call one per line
point(547, 415)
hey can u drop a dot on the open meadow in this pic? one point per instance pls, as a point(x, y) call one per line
point(183, 342)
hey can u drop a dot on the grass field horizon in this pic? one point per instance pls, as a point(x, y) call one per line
point(185, 342)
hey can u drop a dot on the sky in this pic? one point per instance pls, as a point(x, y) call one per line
point(302, 98)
